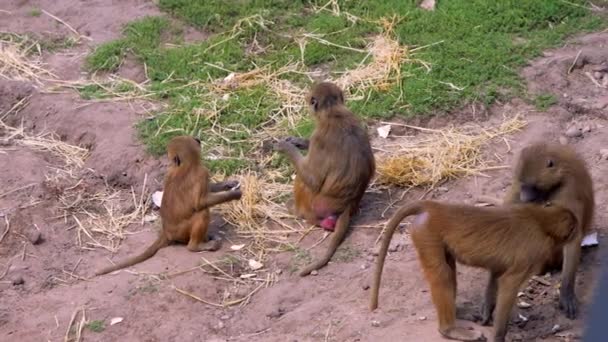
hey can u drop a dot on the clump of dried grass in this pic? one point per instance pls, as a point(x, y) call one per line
point(17, 62)
point(74, 156)
point(259, 216)
point(437, 155)
point(101, 218)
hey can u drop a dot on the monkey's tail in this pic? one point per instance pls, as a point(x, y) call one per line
point(403, 212)
point(148, 253)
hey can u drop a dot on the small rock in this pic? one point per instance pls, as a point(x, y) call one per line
point(422, 318)
point(278, 272)
point(604, 153)
point(443, 189)
point(220, 325)
point(598, 75)
point(365, 287)
point(573, 132)
point(364, 266)
point(375, 324)
point(563, 140)
point(587, 129)
point(314, 272)
point(276, 313)
point(520, 294)
point(556, 328)
point(225, 317)
point(36, 238)
point(523, 305)
point(18, 280)
point(370, 258)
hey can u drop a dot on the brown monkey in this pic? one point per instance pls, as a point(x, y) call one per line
point(550, 172)
point(332, 178)
point(187, 197)
point(489, 238)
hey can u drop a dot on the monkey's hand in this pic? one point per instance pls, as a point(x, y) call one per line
point(284, 146)
point(300, 143)
point(224, 186)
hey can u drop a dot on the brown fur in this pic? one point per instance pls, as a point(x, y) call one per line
point(334, 175)
point(489, 238)
point(187, 197)
point(555, 173)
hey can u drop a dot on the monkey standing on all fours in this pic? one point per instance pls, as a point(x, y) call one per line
point(550, 172)
point(512, 242)
point(187, 197)
point(332, 178)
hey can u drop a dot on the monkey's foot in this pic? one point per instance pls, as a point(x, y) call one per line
point(463, 334)
point(567, 303)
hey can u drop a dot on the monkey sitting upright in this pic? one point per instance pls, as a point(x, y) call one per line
point(187, 197)
point(332, 178)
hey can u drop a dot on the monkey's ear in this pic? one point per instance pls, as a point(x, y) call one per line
point(177, 161)
point(314, 103)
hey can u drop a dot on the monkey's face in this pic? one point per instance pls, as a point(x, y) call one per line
point(324, 95)
point(184, 150)
point(540, 172)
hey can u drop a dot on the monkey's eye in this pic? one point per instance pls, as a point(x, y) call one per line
point(550, 163)
point(313, 101)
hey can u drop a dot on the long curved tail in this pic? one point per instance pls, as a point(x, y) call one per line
point(148, 253)
point(403, 212)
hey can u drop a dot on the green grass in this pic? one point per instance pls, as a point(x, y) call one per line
point(96, 326)
point(35, 12)
point(544, 101)
point(474, 49)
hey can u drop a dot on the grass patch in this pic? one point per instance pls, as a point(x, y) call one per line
point(346, 254)
point(35, 12)
point(300, 258)
point(96, 326)
point(244, 84)
point(544, 101)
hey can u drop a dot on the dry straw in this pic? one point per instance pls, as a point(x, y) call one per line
point(259, 216)
point(436, 155)
point(18, 61)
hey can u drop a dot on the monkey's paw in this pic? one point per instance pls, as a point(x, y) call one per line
point(283, 146)
point(300, 143)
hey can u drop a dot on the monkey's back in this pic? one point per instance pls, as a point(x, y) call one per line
point(481, 236)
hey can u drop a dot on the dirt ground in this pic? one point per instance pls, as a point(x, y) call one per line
point(43, 281)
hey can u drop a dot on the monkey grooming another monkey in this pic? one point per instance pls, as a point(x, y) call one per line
point(332, 178)
point(187, 197)
point(551, 172)
point(512, 242)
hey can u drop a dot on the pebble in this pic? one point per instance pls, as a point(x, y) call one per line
point(375, 324)
point(314, 273)
point(36, 238)
point(225, 317)
point(598, 75)
point(365, 287)
point(573, 132)
point(587, 129)
point(604, 153)
point(18, 280)
point(220, 325)
point(422, 318)
point(563, 140)
point(370, 258)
